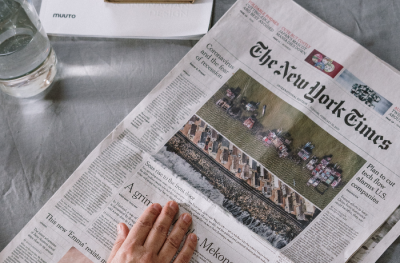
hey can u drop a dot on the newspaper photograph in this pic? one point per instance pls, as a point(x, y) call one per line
point(281, 146)
point(283, 139)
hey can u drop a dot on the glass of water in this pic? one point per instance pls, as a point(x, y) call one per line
point(27, 61)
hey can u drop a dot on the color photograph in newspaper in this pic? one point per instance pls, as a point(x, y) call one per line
point(262, 160)
point(324, 63)
point(283, 139)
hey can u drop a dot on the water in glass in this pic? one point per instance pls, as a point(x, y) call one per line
point(27, 61)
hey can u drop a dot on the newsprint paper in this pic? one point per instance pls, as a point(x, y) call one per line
point(276, 132)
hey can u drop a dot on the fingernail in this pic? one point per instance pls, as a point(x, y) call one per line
point(174, 205)
point(193, 238)
point(158, 207)
point(119, 228)
point(187, 218)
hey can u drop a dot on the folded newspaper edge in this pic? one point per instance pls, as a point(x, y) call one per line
point(282, 145)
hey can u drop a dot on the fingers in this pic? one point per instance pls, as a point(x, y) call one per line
point(175, 238)
point(123, 231)
point(140, 230)
point(159, 232)
point(186, 253)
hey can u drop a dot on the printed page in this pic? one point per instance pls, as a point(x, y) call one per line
point(115, 184)
point(281, 144)
point(380, 240)
point(298, 123)
point(76, 226)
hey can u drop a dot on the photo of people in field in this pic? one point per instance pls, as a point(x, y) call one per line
point(281, 138)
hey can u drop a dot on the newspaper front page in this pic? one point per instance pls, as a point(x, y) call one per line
point(276, 132)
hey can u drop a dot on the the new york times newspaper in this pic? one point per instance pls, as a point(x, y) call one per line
point(276, 132)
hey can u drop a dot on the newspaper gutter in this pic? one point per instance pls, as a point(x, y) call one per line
point(281, 146)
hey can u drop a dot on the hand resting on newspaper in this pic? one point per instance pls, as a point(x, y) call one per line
point(148, 240)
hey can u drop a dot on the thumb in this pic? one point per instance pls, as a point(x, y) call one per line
point(123, 231)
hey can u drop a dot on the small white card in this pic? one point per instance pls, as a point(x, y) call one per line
point(96, 18)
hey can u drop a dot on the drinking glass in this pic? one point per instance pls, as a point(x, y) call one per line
point(27, 61)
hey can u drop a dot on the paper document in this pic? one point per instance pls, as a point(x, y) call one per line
point(379, 241)
point(279, 134)
point(96, 18)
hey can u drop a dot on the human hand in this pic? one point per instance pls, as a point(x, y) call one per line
point(148, 240)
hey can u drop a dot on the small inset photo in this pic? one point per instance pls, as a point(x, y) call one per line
point(364, 93)
point(74, 256)
point(324, 63)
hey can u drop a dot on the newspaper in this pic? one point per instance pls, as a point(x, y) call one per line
point(276, 132)
point(380, 240)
